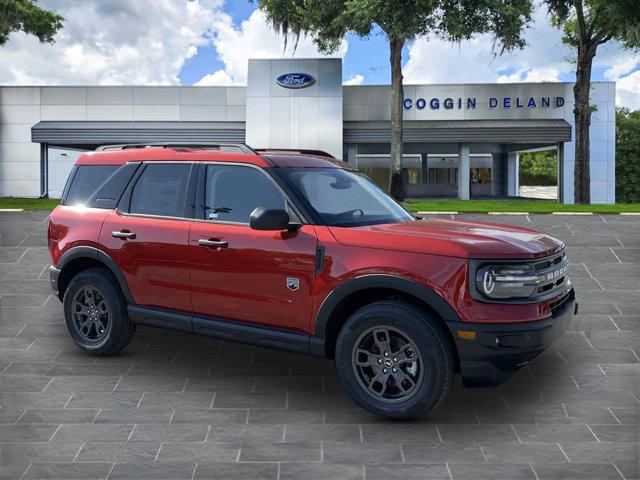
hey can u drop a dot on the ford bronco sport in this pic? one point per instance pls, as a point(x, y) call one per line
point(298, 251)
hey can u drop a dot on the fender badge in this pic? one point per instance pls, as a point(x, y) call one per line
point(293, 284)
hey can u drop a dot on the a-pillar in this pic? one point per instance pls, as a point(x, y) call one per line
point(463, 171)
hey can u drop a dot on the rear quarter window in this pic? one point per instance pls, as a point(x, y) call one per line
point(86, 179)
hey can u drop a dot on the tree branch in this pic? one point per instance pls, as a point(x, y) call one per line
point(580, 14)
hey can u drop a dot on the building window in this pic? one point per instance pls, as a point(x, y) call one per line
point(480, 175)
point(443, 175)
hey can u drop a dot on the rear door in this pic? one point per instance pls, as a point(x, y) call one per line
point(148, 234)
point(258, 277)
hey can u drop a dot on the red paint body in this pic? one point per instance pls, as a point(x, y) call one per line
point(165, 267)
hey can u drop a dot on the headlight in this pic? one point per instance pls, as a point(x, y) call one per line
point(506, 281)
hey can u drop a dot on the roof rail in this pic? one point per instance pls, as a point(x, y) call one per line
point(301, 151)
point(195, 145)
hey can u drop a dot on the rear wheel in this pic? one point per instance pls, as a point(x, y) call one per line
point(394, 359)
point(96, 313)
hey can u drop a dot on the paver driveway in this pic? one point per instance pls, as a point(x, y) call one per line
point(180, 406)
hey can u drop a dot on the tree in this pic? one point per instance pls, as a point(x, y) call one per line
point(28, 17)
point(587, 24)
point(627, 155)
point(327, 21)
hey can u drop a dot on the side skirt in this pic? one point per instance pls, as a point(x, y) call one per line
point(277, 338)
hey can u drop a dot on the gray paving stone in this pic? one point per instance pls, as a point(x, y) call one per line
point(576, 471)
point(285, 414)
point(490, 471)
point(168, 433)
point(118, 452)
point(320, 471)
point(281, 452)
point(92, 433)
point(84, 471)
point(53, 416)
point(199, 452)
point(157, 470)
point(407, 472)
point(328, 433)
point(230, 471)
point(370, 453)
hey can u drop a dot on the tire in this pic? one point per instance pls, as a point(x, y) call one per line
point(98, 322)
point(414, 389)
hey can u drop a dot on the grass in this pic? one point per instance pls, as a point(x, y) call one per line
point(530, 206)
point(438, 204)
point(29, 203)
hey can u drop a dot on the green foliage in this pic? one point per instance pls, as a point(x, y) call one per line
point(539, 168)
point(529, 206)
point(327, 21)
point(597, 21)
point(28, 17)
point(627, 155)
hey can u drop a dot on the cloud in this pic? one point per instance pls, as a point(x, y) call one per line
point(254, 38)
point(545, 58)
point(628, 91)
point(432, 60)
point(357, 79)
point(114, 42)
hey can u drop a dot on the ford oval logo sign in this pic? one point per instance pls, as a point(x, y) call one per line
point(295, 80)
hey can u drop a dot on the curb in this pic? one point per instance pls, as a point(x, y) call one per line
point(11, 209)
point(630, 214)
point(507, 213)
point(435, 212)
point(571, 213)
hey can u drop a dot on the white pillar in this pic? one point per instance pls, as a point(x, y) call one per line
point(463, 171)
point(513, 167)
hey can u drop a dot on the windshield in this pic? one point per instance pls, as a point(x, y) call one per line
point(345, 198)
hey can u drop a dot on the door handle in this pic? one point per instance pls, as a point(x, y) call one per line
point(213, 243)
point(123, 234)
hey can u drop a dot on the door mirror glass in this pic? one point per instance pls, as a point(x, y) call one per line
point(269, 219)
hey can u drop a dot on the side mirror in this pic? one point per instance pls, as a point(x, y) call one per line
point(269, 219)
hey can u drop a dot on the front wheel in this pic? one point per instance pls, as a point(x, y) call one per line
point(96, 313)
point(394, 359)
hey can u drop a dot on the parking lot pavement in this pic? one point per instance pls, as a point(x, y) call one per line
point(179, 406)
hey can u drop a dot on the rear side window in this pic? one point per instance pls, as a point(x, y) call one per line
point(108, 194)
point(86, 180)
point(161, 190)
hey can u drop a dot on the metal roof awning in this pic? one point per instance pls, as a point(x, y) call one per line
point(89, 133)
point(475, 131)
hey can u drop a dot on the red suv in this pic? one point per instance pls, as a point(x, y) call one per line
point(298, 251)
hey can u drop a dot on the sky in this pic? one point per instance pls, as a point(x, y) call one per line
point(208, 42)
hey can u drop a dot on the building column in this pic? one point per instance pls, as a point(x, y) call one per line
point(561, 173)
point(352, 153)
point(463, 171)
point(513, 167)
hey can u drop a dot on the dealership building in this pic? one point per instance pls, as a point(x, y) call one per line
point(460, 140)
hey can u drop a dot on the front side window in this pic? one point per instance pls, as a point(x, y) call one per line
point(161, 190)
point(233, 192)
point(345, 198)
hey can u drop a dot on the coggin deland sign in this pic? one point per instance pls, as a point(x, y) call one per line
point(469, 103)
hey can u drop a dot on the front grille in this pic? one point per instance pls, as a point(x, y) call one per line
point(552, 274)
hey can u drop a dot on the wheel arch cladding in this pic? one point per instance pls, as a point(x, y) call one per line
point(78, 259)
point(358, 292)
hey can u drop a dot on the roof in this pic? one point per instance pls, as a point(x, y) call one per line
point(498, 131)
point(199, 154)
point(119, 157)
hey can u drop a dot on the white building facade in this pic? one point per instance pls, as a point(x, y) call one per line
point(459, 140)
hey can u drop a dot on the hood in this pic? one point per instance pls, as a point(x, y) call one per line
point(452, 238)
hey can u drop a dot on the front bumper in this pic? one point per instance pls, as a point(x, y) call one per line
point(54, 274)
point(500, 349)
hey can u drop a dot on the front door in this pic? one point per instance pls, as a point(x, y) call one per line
point(149, 239)
point(246, 275)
